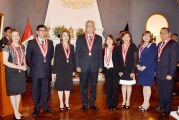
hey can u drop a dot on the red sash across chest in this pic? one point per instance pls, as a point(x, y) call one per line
point(160, 48)
point(44, 52)
point(89, 42)
point(108, 57)
point(20, 56)
point(124, 52)
point(67, 51)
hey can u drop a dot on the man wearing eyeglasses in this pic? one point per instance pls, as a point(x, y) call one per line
point(39, 55)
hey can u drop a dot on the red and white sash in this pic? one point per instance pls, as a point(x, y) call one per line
point(89, 42)
point(140, 50)
point(44, 53)
point(65, 50)
point(160, 49)
point(124, 52)
point(20, 56)
point(109, 56)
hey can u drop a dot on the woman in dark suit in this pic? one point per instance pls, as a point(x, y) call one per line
point(111, 71)
point(146, 66)
point(64, 66)
point(15, 67)
point(128, 56)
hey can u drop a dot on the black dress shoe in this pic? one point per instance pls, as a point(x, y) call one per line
point(61, 109)
point(35, 113)
point(16, 118)
point(22, 117)
point(84, 108)
point(158, 108)
point(123, 106)
point(108, 107)
point(49, 111)
point(94, 108)
point(127, 107)
point(165, 113)
point(68, 108)
point(177, 112)
point(114, 108)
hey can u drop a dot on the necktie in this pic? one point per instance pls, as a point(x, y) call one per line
point(43, 45)
point(162, 43)
point(90, 37)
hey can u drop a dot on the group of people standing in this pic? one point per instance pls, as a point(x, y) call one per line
point(119, 63)
point(123, 62)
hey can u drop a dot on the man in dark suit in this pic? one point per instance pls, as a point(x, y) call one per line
point(6, 39)
point(166, 65)
point(175, 91)
point(175, 37)
point(88, 62)
point(39, 55)
point(119, 40)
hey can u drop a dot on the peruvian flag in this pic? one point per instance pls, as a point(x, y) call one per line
point(28, 35)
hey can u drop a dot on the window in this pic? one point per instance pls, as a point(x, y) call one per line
point(154, 24)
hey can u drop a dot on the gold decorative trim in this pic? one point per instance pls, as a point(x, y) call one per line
point(78, 4)
point(1, 24)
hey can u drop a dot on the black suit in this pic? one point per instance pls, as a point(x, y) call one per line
point(89, 66)
point(112, 79)
point(166, 66)
point(4, 41)
point(40, 72)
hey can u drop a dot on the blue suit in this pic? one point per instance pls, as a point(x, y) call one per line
point(40, 72)
point(147, 59)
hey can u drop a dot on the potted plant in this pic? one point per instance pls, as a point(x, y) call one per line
point(58, 30)
point(79, 32)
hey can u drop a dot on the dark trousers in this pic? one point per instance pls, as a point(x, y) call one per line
point(41, 92)
point(88, 78)
point(112, 87)
point(165, 94)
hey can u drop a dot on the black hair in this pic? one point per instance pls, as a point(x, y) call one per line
point(7, 28)
point(166, 29)
point(175, 34)
point(41, 26)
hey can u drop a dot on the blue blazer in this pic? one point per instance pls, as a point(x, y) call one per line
point(168, 60)
point(148, 57)
point(39, 68)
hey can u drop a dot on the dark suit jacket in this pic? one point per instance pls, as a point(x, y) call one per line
point(168, 60)
point(82, 58)
point(60, 59)
point(178, 51)
point(115, 59)
point(39, 68)
point(4, 41)
point(131, 59)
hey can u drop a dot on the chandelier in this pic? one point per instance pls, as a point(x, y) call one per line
point(77, 4)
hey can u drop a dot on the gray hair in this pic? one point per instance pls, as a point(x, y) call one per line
point(90, 21)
